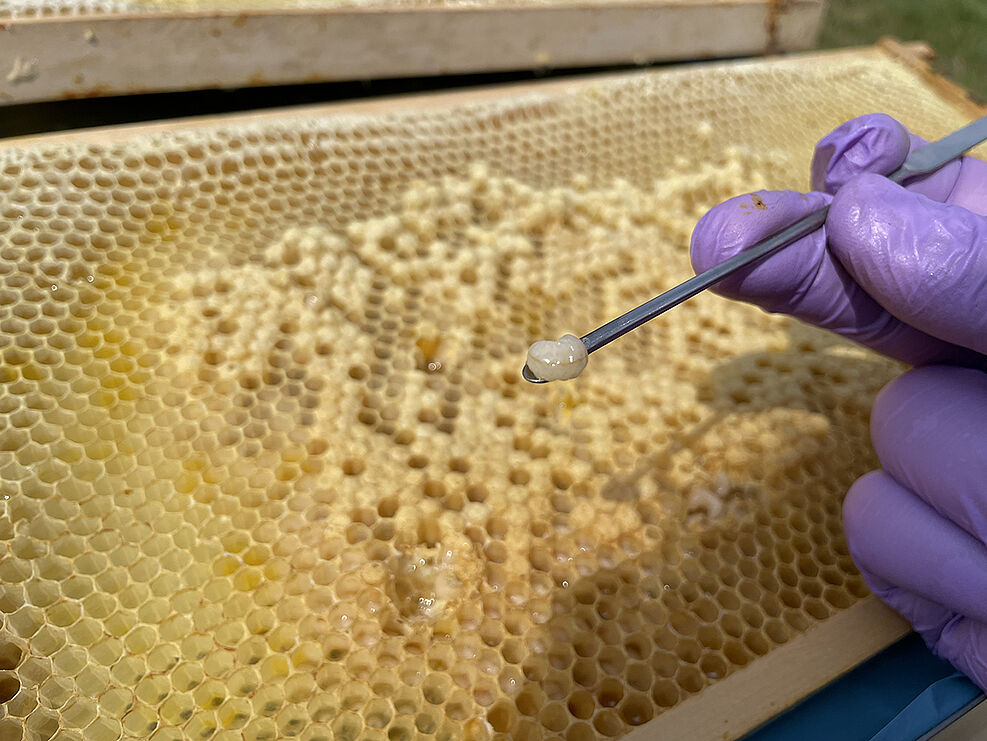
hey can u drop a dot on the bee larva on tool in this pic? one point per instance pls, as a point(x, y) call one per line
point(559, 360)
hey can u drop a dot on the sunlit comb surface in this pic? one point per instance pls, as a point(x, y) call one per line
point(269, 470)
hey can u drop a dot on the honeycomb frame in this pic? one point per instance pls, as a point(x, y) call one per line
point(68, 629)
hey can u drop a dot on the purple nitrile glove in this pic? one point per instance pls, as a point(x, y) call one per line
point(904, 272)
point(917, 530)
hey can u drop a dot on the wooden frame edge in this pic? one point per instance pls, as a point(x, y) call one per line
point(735, 705)
point(392, 103)
point(68, 57)
point(161, 12)
point(917, 56)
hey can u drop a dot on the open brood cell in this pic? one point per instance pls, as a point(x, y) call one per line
point(268, 466)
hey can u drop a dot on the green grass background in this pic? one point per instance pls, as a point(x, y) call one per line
point(956, 29)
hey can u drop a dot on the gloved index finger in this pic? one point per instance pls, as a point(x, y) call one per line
point(929, 429)
point(923, 566)
point(896, 535)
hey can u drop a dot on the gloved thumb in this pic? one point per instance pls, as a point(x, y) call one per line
point(923, 261)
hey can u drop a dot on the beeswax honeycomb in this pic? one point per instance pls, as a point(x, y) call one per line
point(268, 468)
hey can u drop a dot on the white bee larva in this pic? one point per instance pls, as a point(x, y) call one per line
point(559, 360)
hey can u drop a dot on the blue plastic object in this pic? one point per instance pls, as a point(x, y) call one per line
point(899, 695)
point(939, 702)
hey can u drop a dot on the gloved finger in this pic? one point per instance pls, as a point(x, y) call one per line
point(877, 143)
point(925, 262)
point(805, 279)
point(895, 535)
point(871, 143)
point(957, 639)
point(929, 428)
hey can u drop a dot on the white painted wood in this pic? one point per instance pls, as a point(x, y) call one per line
point(69, 57)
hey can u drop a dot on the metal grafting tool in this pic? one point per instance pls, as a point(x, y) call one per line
point(920, 162)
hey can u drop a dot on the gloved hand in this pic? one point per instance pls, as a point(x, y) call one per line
point(904, 272)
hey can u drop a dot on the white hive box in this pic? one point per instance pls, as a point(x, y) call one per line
point(55, 49)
